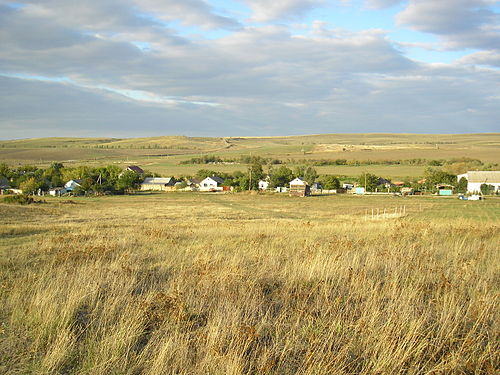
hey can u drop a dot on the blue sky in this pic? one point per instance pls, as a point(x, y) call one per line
point(248, 67)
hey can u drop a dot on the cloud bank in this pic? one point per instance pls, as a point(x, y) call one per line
point(142, 67)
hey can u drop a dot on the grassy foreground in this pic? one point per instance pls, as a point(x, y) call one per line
point(244, 284)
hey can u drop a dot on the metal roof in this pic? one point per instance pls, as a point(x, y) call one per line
point(157, 180)
point(484, 176)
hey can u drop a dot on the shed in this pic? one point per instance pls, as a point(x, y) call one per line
point(444, 189)
point(360, 190)
point(299, 188)
point(158, 183)
point(316, 187)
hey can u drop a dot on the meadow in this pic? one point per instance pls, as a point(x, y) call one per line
point(192, 283)
point(164, 155)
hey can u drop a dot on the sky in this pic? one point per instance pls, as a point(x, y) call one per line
point(139, 68)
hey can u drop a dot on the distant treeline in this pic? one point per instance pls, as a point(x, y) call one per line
point(245, 159)
point(105, 146)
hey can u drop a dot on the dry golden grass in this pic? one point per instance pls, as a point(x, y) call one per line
point(197, 284)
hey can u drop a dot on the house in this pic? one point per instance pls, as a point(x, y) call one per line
point(72, 185)
point(136, 169)
point(192, 184)
point(158, 183)
point(477, 178)
point(382, 181)
point(299, 188)
point(264, 184)
point(57, 192)
point(4, 185)
point(348, 186)
point(213, 183)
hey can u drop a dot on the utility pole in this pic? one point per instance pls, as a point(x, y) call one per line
point(250, 184)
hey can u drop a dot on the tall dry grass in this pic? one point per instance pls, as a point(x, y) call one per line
point(279, 296)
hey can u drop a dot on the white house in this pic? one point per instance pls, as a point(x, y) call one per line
point(72, 185)
point(476, 178)
point(264, 184)
point(212, 183)
point(298, 181)
point(299, 187)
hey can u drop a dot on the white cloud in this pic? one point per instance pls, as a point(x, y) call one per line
point(266, 10)
point(380, 4)
point(459, 23)
point(491, 58)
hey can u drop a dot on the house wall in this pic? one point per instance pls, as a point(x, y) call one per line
point(210, 185)
point(299, 190)
point(156, 187)
point(474, 187)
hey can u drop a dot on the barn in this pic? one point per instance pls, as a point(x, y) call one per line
point(477, 178)
point(299, 188)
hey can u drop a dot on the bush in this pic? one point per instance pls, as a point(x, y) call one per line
point(19, 199)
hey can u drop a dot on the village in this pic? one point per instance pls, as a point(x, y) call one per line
point(303, 182)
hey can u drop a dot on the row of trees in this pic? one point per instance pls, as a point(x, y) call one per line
point(111, 178)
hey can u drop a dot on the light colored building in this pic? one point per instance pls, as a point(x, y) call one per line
point(476, 178)
point(158, 183)
point(264, 184)
point(212, 183)
point(299, 188)
point(57, 192)
point(72, 185)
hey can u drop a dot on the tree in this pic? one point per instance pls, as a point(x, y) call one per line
point(487, 189)
point(128, 180)
point(204, 173)
point(254, 174)
point(310, 175)
point(462, 185)
point(30, 185)
point(434, 177)
point(280, 177)
point(369, 181)
point(5, 171)
point(330, 182)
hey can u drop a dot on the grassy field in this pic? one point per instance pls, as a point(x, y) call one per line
point(191, 283)
point(164, 154)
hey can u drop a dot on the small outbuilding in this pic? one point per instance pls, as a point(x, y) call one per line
point(299, 188)
point(158, 183)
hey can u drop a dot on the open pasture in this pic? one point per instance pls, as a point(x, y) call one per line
point(188, 283)
point(163, 155)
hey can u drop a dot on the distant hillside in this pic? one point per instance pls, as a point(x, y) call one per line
point(210, 143)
